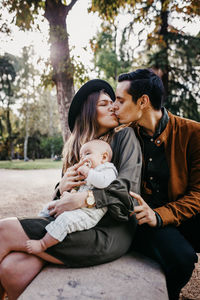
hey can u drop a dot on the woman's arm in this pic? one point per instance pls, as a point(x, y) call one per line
point(127, 158)
point(69, 201)
point(69, 180)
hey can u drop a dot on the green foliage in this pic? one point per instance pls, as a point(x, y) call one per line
point(25, 11)
point(174, 55)
point(49, 144)
point(110, 58)
point(37, 118)
point(80, 71)
point(108, 9)
point(40, 146)
point(7, 77)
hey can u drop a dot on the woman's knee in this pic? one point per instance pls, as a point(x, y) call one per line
point(7, 225)
point(18, 267)
point(7, 267)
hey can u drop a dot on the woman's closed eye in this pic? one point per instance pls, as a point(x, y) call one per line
point(104, 102)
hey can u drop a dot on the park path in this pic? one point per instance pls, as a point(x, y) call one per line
point(24, 192)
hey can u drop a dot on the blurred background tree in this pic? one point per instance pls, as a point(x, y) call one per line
point(112, 53)
point(132, 34)
point(167, 48)
point(8, 65)
point(56, 12)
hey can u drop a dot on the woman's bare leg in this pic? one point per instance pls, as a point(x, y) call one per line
point(17, 270)
point(12, 236)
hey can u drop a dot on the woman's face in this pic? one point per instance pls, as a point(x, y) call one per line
point(106, 117)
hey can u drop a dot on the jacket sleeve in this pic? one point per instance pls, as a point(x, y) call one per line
point(187, 203)
point(127, 158)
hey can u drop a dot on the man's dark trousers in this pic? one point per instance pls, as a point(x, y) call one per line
point(174, 248)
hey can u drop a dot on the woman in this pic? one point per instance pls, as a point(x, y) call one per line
point(90, 116)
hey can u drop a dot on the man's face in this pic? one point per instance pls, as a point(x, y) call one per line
point(125, 109)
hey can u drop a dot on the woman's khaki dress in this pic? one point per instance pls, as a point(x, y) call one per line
point(112, 236)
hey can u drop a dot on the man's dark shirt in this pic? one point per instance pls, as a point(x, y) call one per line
point(156, 171)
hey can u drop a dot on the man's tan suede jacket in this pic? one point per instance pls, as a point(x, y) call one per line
point(181, 139)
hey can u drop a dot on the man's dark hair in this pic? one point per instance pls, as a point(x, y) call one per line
point(145, 82)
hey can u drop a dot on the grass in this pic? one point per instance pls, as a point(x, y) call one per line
point(31, 165)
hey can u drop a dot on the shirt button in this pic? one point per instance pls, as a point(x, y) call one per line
point(157, 191)
point(151, 178)
point(158, 141)
point(150, 159)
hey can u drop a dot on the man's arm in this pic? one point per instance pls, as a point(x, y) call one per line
point(187, 204)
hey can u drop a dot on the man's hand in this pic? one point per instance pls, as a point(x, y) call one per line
point(69, 201)
point(143, 213)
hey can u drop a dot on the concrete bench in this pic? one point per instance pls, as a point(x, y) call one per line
point(129, 277)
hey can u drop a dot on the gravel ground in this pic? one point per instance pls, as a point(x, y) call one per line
point(24, 192)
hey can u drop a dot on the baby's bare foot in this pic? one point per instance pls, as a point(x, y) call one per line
point(34, 246)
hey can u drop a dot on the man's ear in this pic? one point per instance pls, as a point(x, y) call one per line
point(144, 101)
point(105, 156)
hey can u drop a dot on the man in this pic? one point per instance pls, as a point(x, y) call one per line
point(169, 205)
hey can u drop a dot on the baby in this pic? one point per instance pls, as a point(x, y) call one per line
point(99, 172)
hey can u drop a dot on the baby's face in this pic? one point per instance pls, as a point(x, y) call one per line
point(92, 153)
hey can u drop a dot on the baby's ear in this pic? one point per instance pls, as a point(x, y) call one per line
point(105, 156)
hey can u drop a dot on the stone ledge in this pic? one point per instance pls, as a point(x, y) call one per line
point(129, 277)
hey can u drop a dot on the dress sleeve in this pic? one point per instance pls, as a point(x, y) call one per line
point(127, 158)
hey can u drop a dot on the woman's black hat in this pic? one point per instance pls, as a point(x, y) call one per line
point(89, 87)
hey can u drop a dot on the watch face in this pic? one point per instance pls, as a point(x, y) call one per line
point(90, 200)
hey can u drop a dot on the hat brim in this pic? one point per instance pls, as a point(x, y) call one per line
point(89, 87)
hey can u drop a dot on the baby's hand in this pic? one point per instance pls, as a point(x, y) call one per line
point(83, 170)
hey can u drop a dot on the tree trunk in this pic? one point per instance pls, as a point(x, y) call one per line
point(164, 33)
point(26, 147)
point(51, 127)
point(26, 133)
point(56, 13)
point(9, 130)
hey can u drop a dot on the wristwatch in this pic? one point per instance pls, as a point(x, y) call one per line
point(90, 201)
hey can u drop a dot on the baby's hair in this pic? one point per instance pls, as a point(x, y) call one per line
point(103, 146)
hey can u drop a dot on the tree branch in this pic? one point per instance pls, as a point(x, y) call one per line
point(69, 7)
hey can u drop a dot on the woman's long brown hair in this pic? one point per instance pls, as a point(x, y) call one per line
point(85, 129)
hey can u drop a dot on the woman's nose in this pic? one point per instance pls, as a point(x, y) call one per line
point(111, 108)
point(115, 106)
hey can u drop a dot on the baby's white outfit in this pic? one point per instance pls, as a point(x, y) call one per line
point(83, 218)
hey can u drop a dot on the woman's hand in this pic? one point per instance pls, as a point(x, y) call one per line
point(71, 178)
point(69, 201)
